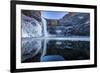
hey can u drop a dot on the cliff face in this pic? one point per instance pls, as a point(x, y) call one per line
point(33, 14)
point(31, 24)
point(71, 24)
point(76, 23)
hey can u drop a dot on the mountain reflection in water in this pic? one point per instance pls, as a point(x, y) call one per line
point(33, 49)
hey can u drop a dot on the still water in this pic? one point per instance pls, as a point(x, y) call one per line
point(61, 49)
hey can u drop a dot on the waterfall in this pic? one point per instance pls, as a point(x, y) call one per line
point(44, 27)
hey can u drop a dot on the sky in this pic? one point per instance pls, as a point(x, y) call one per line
point(53, 14)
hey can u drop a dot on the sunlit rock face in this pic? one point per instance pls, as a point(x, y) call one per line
point(30, 27)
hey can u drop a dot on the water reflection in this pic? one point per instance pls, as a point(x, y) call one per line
point(33, 50)
point(70, 50)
